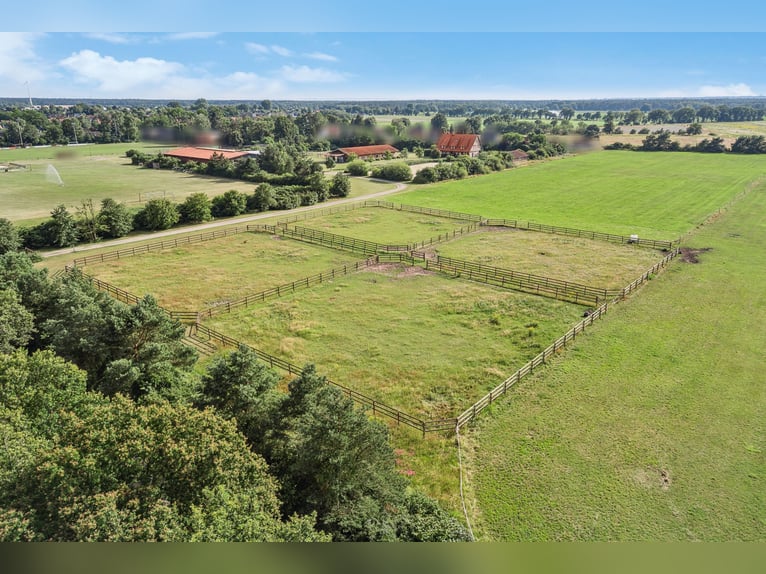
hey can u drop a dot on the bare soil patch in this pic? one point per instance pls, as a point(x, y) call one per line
point(689, 255)
point(397, 269)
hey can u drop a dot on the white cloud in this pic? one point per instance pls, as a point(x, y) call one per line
point(258, 49)
point(281, 50)
point(111, 37)
point(740, 89)
point(18, 61)
point(321, 56)
point(113, 76)
point(303, 74)
point(192, 35)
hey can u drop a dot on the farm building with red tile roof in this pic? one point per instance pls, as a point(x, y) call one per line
point(459, 144)
point(342, 154)
point(204, 154)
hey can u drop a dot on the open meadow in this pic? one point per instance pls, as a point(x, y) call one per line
point(201, 275)
point(421, 342)
point(383, 225)
point(651, 428)
point(573, 259)
point(656, 195)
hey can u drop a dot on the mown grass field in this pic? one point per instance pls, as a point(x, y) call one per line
point(652, 427)
point(194, 277)
point(98, 171)
point(383, 225)
point(28, 195)
point(421, 342)
point(593, 263)
point(654, 195)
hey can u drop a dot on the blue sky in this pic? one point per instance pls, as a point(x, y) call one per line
point(369, 64)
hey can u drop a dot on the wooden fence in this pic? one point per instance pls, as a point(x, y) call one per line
point(377, 407)
point(426, 210)
point(285, 288)
point(471, 412)
point(546, 286)
point(571, 232)
point(624, 292)
point(131, 251)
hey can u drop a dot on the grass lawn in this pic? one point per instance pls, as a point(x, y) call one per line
point(383, 225)
point(201, 275)
point(594, 263)
point(26, 196)
point(364, 186)
point(655, 195)
point(652, 427)
point(421, 342)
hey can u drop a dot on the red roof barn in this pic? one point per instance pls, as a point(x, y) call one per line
point(342, 154)
point(203, 154)
point(459, 144)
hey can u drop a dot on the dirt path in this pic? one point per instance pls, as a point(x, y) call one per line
point(213, 224)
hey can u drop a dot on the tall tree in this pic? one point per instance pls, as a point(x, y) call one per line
point(9, 236)
point(114, 218)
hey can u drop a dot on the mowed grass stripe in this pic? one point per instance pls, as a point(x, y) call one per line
point(654, 195)
point(651, 428)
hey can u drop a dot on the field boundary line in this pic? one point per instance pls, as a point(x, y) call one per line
point(147, 248)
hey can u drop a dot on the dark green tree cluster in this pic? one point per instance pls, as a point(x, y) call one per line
point(109, 434)
point(661, 141)
point(397, 171)
point(462, 166)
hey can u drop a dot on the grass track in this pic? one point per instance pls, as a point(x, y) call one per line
point(654, 195)
point(652, 427)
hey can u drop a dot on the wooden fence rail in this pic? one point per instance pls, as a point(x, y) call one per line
point(131, 251)
point(376, 406)
point(507, 278)
point(571, 232)
point(471, 412)
point(286, 288)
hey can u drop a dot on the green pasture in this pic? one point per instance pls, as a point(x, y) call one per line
point(652, 194)
point(29, 194)
point(652, 426)
point(585, 261)
point(383, 225)
point(421, 342)
point(194, 277)
point(364, 186)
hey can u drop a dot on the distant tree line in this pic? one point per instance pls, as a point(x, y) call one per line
point(111, 434)
point(661, 141)
point(305, 124)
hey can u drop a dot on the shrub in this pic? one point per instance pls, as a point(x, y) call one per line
point(196, 208)
point(262, 199)
point(341, 185)
point(358, 168)
point(229, 204)
point(157, 214)
point(285, 198)
point(398, 171)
